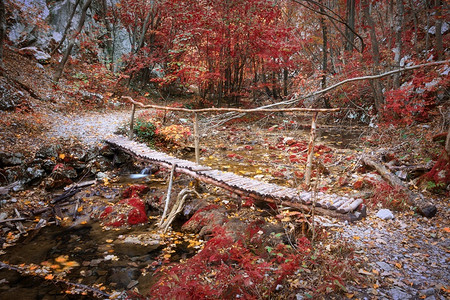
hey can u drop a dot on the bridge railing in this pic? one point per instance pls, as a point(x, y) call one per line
point(195, 112)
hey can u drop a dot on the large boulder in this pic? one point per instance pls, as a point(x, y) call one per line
point(33, 52)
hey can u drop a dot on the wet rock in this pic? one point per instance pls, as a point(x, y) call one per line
point(100, 164)
point(129, 211)
point(11, 159)
point(48, 165)
point(385, 214)
point(47, 152)
point(34, 174)
point(3, 216)
point(61, 175)
point(101, 175)
point(428, 211)
point(123, 277)
point(77, 152)
point(136, 190)
point(138, 245)
point(205, 220)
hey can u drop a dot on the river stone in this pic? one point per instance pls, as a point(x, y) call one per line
point(47, 152)
point(386, 267)
point(34, 174)
point(428, 211)
point(385, 214)
point(397, 294)
point(10, 159)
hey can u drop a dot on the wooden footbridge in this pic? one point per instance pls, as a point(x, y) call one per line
point(342, 207)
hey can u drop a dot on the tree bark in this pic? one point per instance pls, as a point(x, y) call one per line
point(351, 24)
point(376, 85)
point(60, 69)
point(439, 46)
point(398, 41)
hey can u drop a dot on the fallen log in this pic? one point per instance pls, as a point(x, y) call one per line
point(416, 200)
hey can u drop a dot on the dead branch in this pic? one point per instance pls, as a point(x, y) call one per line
point(225, 109)
point(169, 191)
point(417, 200)
point(177, 207)
point(12, 220)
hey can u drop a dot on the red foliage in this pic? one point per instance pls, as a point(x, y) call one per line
point(129, 211)
point(135, 191)
point(226, 269)
point(439, 176)
point(388, 196)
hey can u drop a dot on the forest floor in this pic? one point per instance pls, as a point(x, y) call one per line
point(406, 257)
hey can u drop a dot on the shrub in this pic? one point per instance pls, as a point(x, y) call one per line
point(145, 130)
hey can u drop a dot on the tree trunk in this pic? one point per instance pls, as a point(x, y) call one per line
point(69, 23)
point(377, 88)
point(109, 48)
point(398, 41)
point(60, 69)
point(285, 81)
point(351, 23)
point(439, 47)
point(324, 54)
point(2, 30)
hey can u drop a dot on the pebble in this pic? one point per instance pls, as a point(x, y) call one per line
point(385, 214)
point(397, 294)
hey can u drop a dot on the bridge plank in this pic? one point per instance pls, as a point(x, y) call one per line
point(330, 204)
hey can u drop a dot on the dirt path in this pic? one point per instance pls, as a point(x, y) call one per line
point(88, 127)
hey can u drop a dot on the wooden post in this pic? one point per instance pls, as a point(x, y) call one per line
point(312, 138)
point(196, 139)
point(130, 133)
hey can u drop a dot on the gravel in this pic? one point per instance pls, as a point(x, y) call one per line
point(90, 128)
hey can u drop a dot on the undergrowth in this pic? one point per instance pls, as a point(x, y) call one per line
point(230, 268)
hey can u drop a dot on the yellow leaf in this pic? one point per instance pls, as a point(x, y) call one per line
point(356, 237)
point(62, 258)
point(374, 271)
point(398, 265)
point(446, 229)
point(80, 209)
point(62, 156)
point(49, 277)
